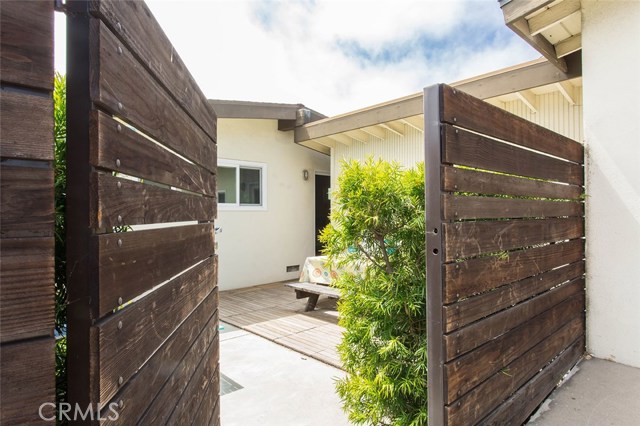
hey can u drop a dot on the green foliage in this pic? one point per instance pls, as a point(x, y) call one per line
point(60, 189)
point(377, 235)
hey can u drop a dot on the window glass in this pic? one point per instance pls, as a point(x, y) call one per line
point(250, 186)
point(226, 185)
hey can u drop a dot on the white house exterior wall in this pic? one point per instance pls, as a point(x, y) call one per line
point(406, 150)
point(255, 247)
point(610, 67)
point(553, 112)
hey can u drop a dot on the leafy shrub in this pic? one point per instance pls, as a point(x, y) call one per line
point(60, 189)
point(377, 235)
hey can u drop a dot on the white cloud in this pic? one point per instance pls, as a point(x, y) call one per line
point(336, 56)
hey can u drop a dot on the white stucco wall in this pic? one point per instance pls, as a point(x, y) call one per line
point(611, 92)
point(255, 247)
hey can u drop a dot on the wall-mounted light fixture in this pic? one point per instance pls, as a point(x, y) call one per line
point(305, 174)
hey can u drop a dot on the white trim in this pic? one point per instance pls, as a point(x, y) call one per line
point(263, 185)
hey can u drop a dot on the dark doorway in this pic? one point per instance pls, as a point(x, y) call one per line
point(323, 206)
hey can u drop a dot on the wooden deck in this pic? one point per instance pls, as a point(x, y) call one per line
point(273, 312)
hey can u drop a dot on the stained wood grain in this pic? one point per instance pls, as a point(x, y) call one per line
point(487, 329)
point(470, 207)
point(464, 279)
point(464, 148)
point(466, 311)
point(468, 239)
point(519, 407)
point(119, 148)
point(129, 337)
point(210, 397)
point(131, 263)
point(476, 404)
point(134, 23)
point(465, 180)
point(196, 390)
point(125, 88)
point(463, 110)
point(171, 365)
point(26, 205)
point(467, 371)
point(139, 203)
point(26, 288)
point(26, 130)
point(215, 415)
point(26, 43)
point(27, 381)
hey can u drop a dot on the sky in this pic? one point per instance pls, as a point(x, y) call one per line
point(333, 56)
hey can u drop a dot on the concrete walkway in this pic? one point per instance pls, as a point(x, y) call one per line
point(600, 393)
point(265, 384)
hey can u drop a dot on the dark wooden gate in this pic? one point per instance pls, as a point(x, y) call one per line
point(143, 318)
point(505, 268)
point(27, 213)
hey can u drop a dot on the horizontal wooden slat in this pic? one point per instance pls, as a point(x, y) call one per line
point(480, 332)
point(141, 203)
point(117, 147)
point(124, 339)
point(467, 239)
point(465, 312)
point(469, 207)
point(464, 148)
point(127, 90)
point(26, 288)
point(26, 43)
point(131, 263)
point(134, 23)
point(172, 365)
point(467, 371)
point(476, 404)
point(211, 396)
point(215, 415)
point(519, 407)
point(26, 130)
point(482, 274)
point(465, 180)
point(463, 110)
point(195, 391)
point(26, 205)
point(27, 381)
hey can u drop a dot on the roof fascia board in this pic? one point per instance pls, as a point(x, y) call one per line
point(371, 116)
point(532, 74)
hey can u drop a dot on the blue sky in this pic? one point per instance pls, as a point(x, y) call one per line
point(336, 56)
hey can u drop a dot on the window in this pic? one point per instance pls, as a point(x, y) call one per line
point(241, 185)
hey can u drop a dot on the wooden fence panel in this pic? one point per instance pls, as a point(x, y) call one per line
point(27, 356)
point(505, 260)
point(144, 312)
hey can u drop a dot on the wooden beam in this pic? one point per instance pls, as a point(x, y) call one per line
point(417, 122)
point(566, 89)
point(318, 147)
point(358, 135)
point(570, 45)
point(529, 99)
point(375, 131)
point(539, 43)
point(341, 138)
point(370, 116)
point(394, 127)
point(515, 10)
point(539, 72)
point(553, 15)
point(495, 102)
point(326, 141)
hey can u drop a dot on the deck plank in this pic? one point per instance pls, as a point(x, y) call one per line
point(272, 311)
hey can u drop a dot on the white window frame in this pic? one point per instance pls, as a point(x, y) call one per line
point(237, 164)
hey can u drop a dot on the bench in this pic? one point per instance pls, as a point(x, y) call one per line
point(313, 291)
